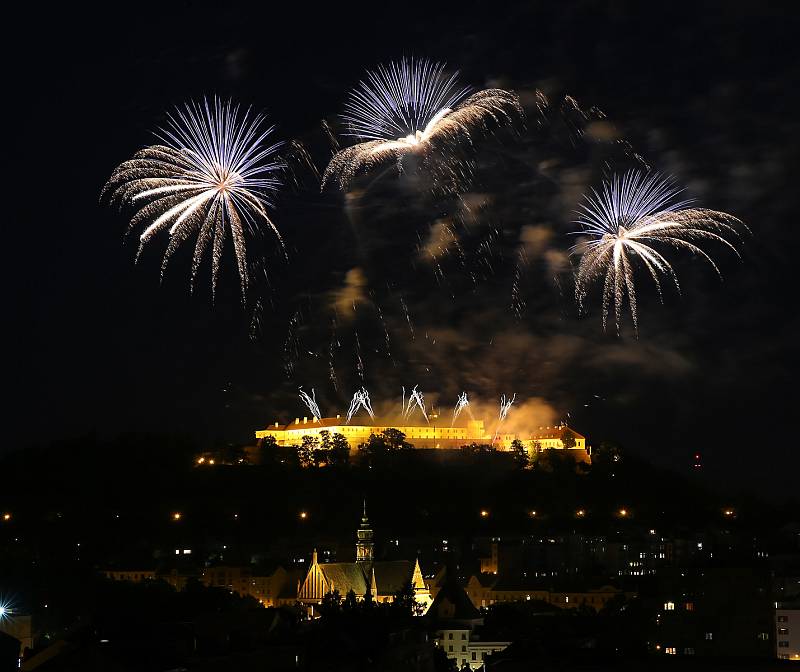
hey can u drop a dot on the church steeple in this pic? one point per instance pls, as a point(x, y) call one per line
point(364, 545)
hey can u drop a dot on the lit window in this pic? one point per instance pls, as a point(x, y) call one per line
point(688, 651)
point(670, 650)
point(709, 635)
point(669, 606)
point(689, 606)
point(783, 631)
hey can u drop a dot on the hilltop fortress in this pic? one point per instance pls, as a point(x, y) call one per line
point(436, 433)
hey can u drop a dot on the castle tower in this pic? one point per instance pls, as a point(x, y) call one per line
point(364, 545)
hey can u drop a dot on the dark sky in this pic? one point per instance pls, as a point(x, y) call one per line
point(706, 92)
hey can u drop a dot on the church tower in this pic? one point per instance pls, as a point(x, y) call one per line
point(364, 545)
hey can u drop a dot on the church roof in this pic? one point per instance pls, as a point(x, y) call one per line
point(392, 575)
point(345, 576)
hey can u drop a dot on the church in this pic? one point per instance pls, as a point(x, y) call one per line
point(382, 579)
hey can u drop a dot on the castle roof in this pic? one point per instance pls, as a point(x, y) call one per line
point(322, 423)
point(554, 432)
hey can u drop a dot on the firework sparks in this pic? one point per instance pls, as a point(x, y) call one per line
point(412, 107)
point(461, 404)
point(360, 400)
point(214, 173)
point(415, 400)
point(311, 402)
point(624, 220)
point(505, 407)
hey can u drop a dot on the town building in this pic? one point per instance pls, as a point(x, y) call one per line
point(787, 631)
point(382, 579)
point(267, 585)
point(485, 590)
point(458, 627)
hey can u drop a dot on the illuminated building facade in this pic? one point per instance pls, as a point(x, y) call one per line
point(382, 579)
point(433, 434)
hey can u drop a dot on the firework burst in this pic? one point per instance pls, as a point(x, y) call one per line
point(215, 172)
point(311, 402)
point(413, 108)
point(625, 221)
point(415, 400)
point(360, 400)
point(461, 404)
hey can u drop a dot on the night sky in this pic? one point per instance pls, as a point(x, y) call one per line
point(706, 92)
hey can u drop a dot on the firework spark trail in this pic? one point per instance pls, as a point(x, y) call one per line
point(291, 346)
point(461, 404)
point(412, 108)
point(360, 400)
point(311, 402)
point(624, 220)
point(415, 400)
point(505, 407)
point(214, 173)
point(359, 360)
point(408, 316)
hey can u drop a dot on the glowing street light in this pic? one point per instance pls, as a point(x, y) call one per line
point(532, 514)
point(580, 513)
point(5, 611)
point(623, 513)
point(303, 515)
point(484, 513)
point(6, 517)
point(177, 515)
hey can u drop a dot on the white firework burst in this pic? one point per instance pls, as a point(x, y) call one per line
point(412, 107)
point(625, 221)
point(461, 404)
point(215, 172)
point(415, 400)
point(360, 400)
point(311, 402)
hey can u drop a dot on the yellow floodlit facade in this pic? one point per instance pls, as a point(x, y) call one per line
point(433, 434)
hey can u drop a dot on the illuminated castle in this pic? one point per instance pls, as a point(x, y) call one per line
point(436, 433)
